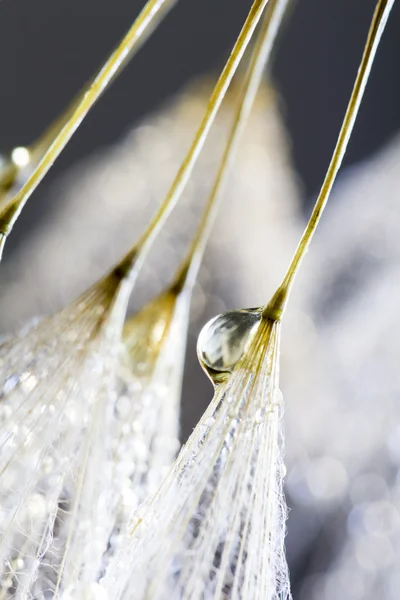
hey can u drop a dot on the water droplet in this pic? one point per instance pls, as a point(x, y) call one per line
point(224, 340)
point(10, 383)
point(124, 406)
point(21, 156)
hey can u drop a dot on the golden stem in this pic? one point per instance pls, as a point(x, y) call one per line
point(276, 306)
point(261, 53)
point(154, 11)
point(135, 257)
point(59, 134)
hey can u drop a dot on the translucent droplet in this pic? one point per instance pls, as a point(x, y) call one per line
point(224, 340)
point(20, 156)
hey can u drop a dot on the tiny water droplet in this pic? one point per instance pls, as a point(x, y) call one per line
point(10, 383)
point(20, 156)
point(224, 340)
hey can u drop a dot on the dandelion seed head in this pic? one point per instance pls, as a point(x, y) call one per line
point(54, 378)
point(216, 526)
point(141, 437)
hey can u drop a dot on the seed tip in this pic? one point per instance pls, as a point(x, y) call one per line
point(276, 306)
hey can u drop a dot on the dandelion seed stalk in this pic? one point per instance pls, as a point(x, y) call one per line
point(148, 20)
point(127, 269)
point(186, 168)
point(277, 304)
point(259, 58)
point(49, 146)
point(22, 157)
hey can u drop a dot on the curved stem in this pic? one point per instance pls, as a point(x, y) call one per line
point(276, 306)
point(133, 260)
point(154, 12)
point(59, 134)
point(275, 11)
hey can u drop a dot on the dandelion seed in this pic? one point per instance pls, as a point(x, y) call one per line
point(215, 523)
point(142, 439)
point(156, 337)
point(58, 380)
point(55, 380)
point(215, 529)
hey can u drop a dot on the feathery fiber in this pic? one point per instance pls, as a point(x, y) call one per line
point(215, 529)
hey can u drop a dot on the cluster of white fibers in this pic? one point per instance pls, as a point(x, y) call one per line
point(88, 429)
point(55, 381)
point(143, 439)
point(216, 527)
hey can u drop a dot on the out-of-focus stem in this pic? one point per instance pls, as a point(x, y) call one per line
point(260, 56)
point(133, 260)
point(151, 16)
point(53, 141)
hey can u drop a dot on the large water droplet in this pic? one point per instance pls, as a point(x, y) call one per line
point(224, 340)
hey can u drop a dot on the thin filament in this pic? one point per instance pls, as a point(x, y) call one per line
point(258, 61)
point(68, 123)
point(276, 306)
point(139, 250)
point(155, 12)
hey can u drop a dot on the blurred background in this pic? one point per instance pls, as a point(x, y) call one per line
point(340, 367)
